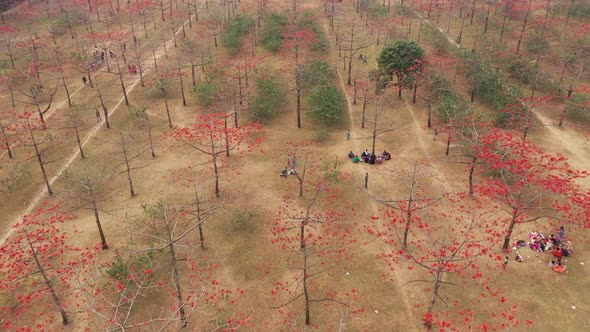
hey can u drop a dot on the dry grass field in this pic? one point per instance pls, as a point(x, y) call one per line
point(246, 277)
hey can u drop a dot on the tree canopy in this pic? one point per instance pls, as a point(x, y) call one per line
point(402, 60)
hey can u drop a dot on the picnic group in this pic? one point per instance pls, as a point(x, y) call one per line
point(554, 244)
point(369, 158)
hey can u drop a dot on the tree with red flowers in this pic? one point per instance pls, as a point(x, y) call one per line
point(315, 238)
point(418, 199)
point(449, 252)
point(468, 130)
point(164, 267)
point(530, 185)
point(211, 136)
point(37, 262)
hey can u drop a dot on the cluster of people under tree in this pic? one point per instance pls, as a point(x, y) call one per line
point(554, 244)
point(290, 168)
point(369, 158)
point(99, 57)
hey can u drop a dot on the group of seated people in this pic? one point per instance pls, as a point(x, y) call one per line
point(286, 172)
point(369, 157)
point(540, 243)
point(554, 243)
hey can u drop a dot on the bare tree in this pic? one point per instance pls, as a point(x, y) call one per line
point(90, 186)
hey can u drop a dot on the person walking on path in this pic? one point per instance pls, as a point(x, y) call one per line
point(348, 135)
point(84, 80)
point(98, 118)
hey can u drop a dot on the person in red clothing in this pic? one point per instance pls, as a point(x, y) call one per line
point(557, 252)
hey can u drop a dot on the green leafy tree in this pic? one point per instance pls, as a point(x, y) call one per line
point(270, 95)
point(204, 93)
point(578, 107)
point(401, 60)
point(317, 74)
point(238, 26)
point(271, 34)
point(326, 105)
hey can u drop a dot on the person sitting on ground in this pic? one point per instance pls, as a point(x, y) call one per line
point(356, 159)
point(552, 264)
point(386, 155)
point(366, 158)
point(372, 159)
point(533, 235)
point(554, 239)
point(379, 160)
point(351, 155)
point(365, 153)
point(518, 257)
point(284, 172)
point(519, 244)
point(559, 268)
point(567, 248)
point(548, 245)
point(535, 245)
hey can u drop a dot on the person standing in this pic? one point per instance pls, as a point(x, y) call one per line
point(505, 262)
point(348, 135)
point(561, 234)
point(366, 180)
point(98, 118)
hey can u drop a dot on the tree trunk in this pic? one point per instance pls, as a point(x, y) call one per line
point(562, 116)
point(79, 142)
point(506, 244)
point(176, 279)
point(56, 301)
point(429, 121)
point(5, 139)
point(215, 172)
point(364, 115)
point(485, 26)
point(182, 88)
point(502, 29)
point(437, 283)
point(122, 84)
point(526, 18)
point(168, 111)
point(41, 163)
point(103, 240)
point(305, 289)
point(128, 169)
point(471, 172)
point(374, 136)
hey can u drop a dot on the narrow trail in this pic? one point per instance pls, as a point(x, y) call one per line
point(76, 152)
point(360, 174)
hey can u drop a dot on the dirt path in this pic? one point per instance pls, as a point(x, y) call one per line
point(41, 194)
point(356, 145)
